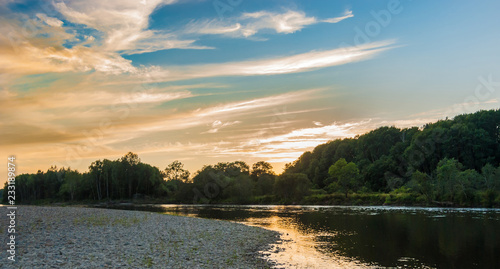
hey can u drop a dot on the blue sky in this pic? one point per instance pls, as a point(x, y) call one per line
point(208, 81)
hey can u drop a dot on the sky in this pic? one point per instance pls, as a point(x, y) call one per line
point(225, 80)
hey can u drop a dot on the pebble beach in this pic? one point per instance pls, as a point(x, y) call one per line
point(75, 237)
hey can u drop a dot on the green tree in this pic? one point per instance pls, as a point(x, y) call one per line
point(72, 181)
point(261, 168)
point(265, 184)
point(239, 167)
point(293, 186)
point(375, 173)
point(491, 178)
point(96, 173)
point(448, 172)
point(424, 183)
point(239, 190)
point(346, 175)
point(175, 171)
point(464, 193)
point(130, 161)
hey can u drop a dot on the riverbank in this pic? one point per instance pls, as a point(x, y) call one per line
point(71, 237)
point(334, 199)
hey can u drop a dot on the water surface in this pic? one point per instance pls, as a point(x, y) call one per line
point(367, 237)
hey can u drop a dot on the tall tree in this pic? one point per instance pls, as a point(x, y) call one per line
point(261, 168)
point(176, 171)
point(95, 170)
point(345, 174)
point(72, 181)
point(130, 161)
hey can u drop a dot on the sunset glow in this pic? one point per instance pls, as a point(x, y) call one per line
point(260, 80)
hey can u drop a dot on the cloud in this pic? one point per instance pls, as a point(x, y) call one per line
point(124, 24)
point(39, 49)
point(302, 138)
point(250, 24)
point(224, 114)
point(313, 60)
point(260, 103)
point(217, 125)
point(50, 21)
point(70, 131)
point(27, 58)
point(63, 102)
point(98, 33)
point(289, 146)
point(347, 14)
point(94, 38)
point(128, 115)
point(65, 113)
point(303, 62)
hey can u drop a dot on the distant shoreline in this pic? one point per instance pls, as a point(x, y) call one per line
point(356, 199)
point(93, 237)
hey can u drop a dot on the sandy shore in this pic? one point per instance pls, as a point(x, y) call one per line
point(70, 237)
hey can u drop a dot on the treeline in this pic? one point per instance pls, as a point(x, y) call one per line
point(129, 179)
point(112, 180)
point(450, 162)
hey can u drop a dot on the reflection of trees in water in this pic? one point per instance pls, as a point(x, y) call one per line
point(454, 241)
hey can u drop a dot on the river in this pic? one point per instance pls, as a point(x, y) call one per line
point(366, 237)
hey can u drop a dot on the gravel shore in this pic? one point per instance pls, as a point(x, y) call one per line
point(72, 237)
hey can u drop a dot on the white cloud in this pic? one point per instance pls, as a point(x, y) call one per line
point(259, 103)
point(250, 24)
point(27, 52)
point(303, 137)
point(217, 125)
point(217, 116)
point(124, 24)
point(281, 65)
point(289, 146)
point(54, 22)
point(287, 23)
point(124, 30)
point(347, 14)
point(145, 97)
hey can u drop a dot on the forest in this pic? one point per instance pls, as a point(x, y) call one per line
point(452, 162)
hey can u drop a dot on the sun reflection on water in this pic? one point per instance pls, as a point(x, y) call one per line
point(300, 246)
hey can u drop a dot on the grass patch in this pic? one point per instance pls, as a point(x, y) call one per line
point(148, 262)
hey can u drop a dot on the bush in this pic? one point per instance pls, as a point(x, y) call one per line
point(488, 198)
point(292, 186)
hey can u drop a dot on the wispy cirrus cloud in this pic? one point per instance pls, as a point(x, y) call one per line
point(347, 14)
point(303, 62)
point(84, 110)
point(289, 146)
point(217, 125)
point(250, 24)
point(227, 111)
